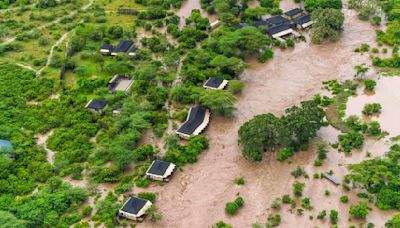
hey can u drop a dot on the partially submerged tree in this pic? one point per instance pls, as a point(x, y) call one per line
point(328, 24)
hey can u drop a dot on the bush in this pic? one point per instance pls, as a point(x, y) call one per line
point(371, 109)
point(286, 199)
point(344, 199)
point(285, 153)
point(142, 182)
point(321, 215)
point(221, 224)
point(299, 171)
point(232, 207)
point(276, 204)
point(240, 181)
point(235, 86)
point(147, 195)
point(306, 203)
point(359, 211)
point(43, 41)
point(267, 54)
point(298, 188)
point(369, 84)
point(349, 140)
point(273, 220)
point(333, 216)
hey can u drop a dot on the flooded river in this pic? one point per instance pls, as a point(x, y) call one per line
point(196, 196)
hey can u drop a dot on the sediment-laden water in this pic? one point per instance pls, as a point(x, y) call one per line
point(196, 196)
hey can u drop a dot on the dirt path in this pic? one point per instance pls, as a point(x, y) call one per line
point(196, 196)
point(50, 56)
point(42, 141)
point(27, 67)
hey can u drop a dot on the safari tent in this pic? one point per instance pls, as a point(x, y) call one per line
point(215, 83)
point(196, 121)
point(160, 170)
point(135, 208)
point(96, 105)
point(120, 83)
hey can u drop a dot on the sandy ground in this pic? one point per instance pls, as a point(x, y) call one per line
point(196, 196)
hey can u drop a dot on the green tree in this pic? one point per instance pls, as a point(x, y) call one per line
point(219, 101)
point(328, 23)
point(311, 5)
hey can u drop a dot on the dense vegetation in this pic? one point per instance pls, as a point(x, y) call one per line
point(379, 176)
point(291, 131)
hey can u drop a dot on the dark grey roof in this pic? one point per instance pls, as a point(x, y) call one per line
point(241, 25)
point(107, 47)
point(303, 19)
point(159, 167)
point(293, 12)
point(96, 104)
point(134, 205)
point(214, 82)
point(276, 20)
point(123, 46)
point(278, 28)
point(261, 23)
point(196, 117)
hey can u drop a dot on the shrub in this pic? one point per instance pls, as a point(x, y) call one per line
point(322, 150)
point(370, 109)
point(321, 215)
point(333, 216)
point(344, 199)
point(43, 41)
point(267, 54)
point(276, 204)
point(273, 220)
point(290, 42)
point(286, 199)
point(359, 211)
point(306, 203)
point(235, 86)
point(369, 84)
point(221, 224)
point(232, 207)
point(349, 140)
point(147, 195)
point(297, 172)
point(142, 183)
point(285, 153)
point(298, 188)
point(240, 181)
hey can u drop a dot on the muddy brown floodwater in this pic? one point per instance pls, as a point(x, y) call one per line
point(196, 196)
point(387, 94)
